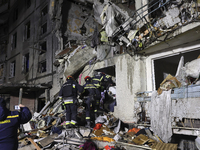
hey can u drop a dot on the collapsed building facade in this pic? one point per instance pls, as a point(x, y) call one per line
point(138, 43)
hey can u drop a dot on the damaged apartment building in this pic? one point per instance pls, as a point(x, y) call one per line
point(149, 47)
point(28, 44)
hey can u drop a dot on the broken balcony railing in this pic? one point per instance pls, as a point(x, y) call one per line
point(141, 15)
point(191, 91)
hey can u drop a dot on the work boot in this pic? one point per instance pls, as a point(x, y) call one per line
point(73, 125)
point(68, 126)
point(88, 124)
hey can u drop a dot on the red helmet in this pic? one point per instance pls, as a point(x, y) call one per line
point(87, 77)
point(69, 77)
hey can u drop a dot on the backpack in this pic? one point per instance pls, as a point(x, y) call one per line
point(89, 145)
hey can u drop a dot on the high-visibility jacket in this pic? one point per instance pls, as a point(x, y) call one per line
point(69, 91)
point(97, 80)
point(9, 123)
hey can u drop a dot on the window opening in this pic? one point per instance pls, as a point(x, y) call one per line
point(28, 30)
point(44, 11)
point(14, 41)
point(41, 104)
point(42, 67)
point(1, 71)
point(28, 3)
point(15, 15)
point(44, 28)
point(43, 48)
point(169, 65)
point(25, 63)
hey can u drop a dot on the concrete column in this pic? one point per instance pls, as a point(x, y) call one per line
point(20, 95)
point(46, 95)
point(130, 79)
point(36, 105)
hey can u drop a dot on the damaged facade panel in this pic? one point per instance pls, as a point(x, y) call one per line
point(175, 100)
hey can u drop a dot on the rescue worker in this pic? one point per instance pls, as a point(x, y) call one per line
point(102, 82)
point(97, 81)
point(9, 124)
point(89, 95)
point(68, 93)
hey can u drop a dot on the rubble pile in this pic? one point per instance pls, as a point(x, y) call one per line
point(48, 131)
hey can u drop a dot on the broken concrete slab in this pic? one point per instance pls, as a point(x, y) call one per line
point(86, 54)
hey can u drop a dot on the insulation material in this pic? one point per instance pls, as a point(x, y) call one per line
point(160, 112)
point(192, 68)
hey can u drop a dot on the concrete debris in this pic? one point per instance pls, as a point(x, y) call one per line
point(49, 132)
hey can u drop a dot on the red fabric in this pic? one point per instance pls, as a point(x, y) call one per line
point(108, 147)
point(135, 130)
point(97, 126)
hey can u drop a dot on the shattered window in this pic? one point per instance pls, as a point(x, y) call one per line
point(25, 63)
point(42, 67)
point(12, 69)
point(43, 48)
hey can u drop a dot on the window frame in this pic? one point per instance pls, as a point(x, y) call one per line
point(12, 69)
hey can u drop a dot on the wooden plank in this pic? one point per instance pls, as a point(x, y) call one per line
point(47, 140)
point(36, 146)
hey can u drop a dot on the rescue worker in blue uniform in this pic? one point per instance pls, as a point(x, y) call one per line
point(97, 81)
point(89, 96)
point(102, 82)
point(68, 93)
point(9, 124)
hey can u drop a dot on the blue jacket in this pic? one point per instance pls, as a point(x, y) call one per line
point(9, 123)
point(70, 89)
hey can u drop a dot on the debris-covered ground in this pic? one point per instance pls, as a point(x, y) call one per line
point(47, 132)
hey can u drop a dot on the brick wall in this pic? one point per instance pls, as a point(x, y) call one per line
point(27, 102)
